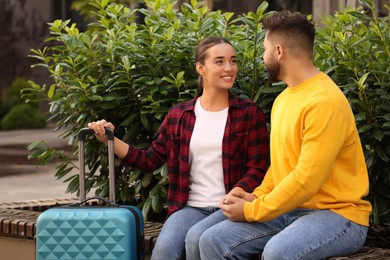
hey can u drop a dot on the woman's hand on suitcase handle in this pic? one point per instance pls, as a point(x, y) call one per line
point(99, 128)
point(121, 148)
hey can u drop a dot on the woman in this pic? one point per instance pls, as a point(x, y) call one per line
point(215, 144)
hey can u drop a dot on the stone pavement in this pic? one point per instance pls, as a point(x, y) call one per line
point(20, 178)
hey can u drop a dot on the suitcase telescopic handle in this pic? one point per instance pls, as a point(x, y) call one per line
point(111, 168)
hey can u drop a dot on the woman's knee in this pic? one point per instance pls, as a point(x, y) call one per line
point(193, 235)
point(169, 244)
point(163, 251)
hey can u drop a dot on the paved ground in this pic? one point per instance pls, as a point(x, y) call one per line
point(21, 179)
point(33, 185)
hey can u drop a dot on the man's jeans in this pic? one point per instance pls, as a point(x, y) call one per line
point(299, 234)
point(182, 230)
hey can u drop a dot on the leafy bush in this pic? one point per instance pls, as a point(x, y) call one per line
point(15, 114)
point(13, 96)
point(131, 74)
point(23, 116)
point(354, 49)
point(14, 93)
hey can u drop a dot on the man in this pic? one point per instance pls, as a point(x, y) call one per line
point(310, 204)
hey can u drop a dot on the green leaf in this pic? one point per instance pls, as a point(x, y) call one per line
point(147, 178)
point(360, 16)
point(169, 80)
point(387, 117)
point(95, 98)
point(103, 3)
point(126, 63)
point(364, 129)
point(51, 91)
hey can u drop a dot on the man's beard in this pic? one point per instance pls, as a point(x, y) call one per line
point(273, 71)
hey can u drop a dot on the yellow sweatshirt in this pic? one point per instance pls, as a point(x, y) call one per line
point(317, 160)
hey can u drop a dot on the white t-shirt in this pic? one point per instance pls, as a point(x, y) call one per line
point(206, 172)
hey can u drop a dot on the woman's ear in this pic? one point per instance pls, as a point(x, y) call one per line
point(199, 68)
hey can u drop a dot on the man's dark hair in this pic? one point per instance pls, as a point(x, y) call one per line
point(292, 25)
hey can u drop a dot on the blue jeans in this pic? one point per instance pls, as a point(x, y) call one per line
point(299, 234)
point(182, 230)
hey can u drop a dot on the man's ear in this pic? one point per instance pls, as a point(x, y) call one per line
point(279, 51)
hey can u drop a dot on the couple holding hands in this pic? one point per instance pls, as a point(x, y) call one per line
point(224, 200)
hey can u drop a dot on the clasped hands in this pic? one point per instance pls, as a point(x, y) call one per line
point(232, 204)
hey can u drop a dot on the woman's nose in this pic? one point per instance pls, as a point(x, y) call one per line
point(228, 67)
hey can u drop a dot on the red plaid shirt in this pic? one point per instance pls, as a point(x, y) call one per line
point(245, 149)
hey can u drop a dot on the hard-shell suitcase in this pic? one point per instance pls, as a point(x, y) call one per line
point(79, 231)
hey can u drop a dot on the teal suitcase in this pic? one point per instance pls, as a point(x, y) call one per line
point(81, 231)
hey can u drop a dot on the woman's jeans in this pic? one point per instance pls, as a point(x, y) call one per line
point(299, 234)
point(182, 230)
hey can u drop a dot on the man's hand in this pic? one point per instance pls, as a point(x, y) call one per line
point(232, 205)
point(240, 193)
point(234, 210)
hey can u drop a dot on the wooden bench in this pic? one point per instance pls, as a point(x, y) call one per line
point(18, 219)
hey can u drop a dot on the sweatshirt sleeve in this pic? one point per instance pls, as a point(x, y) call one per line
point(266, 186)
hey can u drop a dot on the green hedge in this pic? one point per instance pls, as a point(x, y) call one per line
point(23, 116)
point(15, 114)
point(131, 74)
